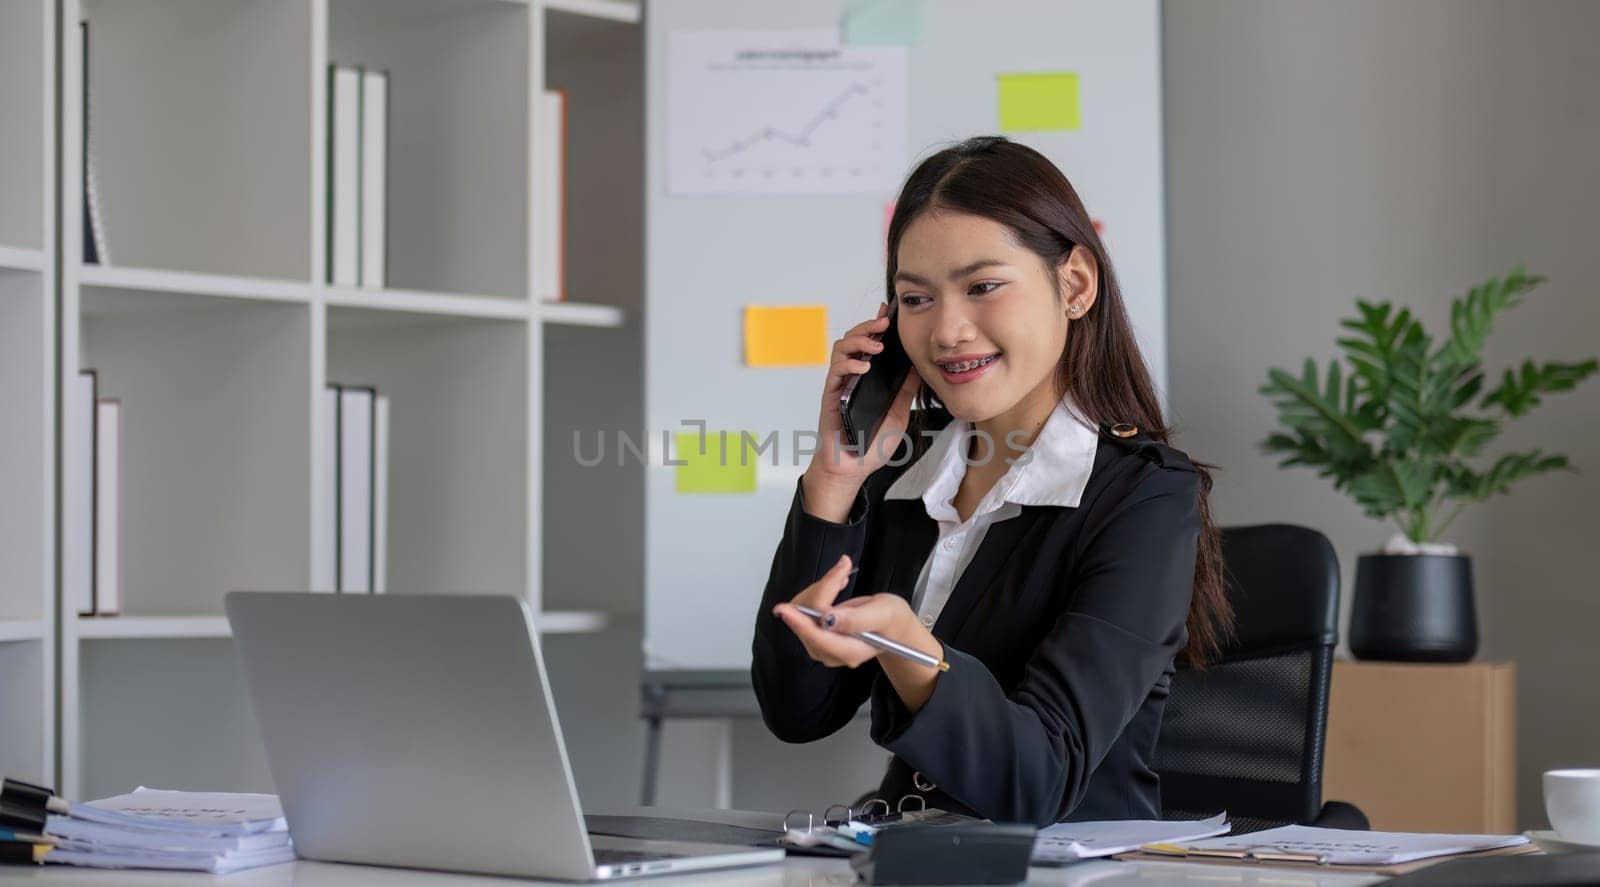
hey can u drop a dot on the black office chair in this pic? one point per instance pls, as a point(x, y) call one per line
point(1245, 734)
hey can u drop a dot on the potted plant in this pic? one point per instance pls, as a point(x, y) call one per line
point(1401, 426)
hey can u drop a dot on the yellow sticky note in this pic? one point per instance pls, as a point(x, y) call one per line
point(728, 464)
point(787, 336)
point(1038, 102)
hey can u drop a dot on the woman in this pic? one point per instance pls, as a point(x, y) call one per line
point(1046, 541)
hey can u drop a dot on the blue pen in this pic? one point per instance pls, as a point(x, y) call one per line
point(7, 834)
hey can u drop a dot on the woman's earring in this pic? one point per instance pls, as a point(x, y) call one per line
point(1076, 309)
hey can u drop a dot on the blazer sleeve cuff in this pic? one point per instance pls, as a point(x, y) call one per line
point(818, 543)
point(920, 736)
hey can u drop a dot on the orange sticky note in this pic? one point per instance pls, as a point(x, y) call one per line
point(785, 336)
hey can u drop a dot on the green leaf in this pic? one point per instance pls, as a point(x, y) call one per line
point(1302, 403)
point(1512, 467)
point(1392, 487)
point(1472, 318)
point(1518, 395)
point(1465, 391)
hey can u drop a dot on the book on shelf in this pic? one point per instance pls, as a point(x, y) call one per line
point(358, 173)
point(355, 489)
point(351, 555)
point(374, 178)
point(94, 229)
point(380, 494)
point(91, 482)
point(344, 179)
point(108, 508)
point(77, 482)
point(325, 547)
point(550, 184)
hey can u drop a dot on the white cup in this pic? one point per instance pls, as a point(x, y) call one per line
point(1572, 801)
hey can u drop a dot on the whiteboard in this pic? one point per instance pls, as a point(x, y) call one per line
point(710, 255)
point(783, 111)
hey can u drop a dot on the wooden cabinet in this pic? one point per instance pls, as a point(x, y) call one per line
point(1424, 748)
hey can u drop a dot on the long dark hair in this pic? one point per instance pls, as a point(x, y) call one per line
point(1102, 368)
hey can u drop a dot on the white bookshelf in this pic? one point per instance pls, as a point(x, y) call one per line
point(27, 390)
point(214, 325)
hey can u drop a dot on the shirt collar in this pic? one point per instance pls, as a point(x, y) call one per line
point(1054, 471)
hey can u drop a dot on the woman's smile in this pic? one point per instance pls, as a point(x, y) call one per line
point(964, 368)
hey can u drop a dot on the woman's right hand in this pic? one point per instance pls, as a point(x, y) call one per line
point(837, 472)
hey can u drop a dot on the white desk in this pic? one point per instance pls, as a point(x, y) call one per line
point(794, 872)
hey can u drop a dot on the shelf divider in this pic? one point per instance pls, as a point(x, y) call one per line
point(572, 621)
point(156, 280)
point(18, 258)
point(108, 627)
point(21, 630)
point(579, 314)
point(614, 10)
point(416, 301)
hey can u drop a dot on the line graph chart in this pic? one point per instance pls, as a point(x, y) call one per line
point(784, 112)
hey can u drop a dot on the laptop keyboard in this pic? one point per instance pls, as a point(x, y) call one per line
point(604, 856)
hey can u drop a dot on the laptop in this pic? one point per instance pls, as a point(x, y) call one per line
point(419, 731)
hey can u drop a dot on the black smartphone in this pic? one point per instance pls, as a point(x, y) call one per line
point(866, 398)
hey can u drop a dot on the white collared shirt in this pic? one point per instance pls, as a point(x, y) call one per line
point(1053, 471)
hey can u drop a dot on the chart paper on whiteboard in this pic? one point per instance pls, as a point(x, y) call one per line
point(784, 112)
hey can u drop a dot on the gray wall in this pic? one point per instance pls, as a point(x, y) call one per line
point(1317, 152)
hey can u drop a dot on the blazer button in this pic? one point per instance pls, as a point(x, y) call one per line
point(1124, 429)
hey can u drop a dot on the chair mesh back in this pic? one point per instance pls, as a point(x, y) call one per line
point(1245, 734)
point(1241, 720)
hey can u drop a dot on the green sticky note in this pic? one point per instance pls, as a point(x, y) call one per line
point(1038, 102)
point(728, 464)
point(882, 22)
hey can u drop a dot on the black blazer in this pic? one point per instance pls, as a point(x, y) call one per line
point(1060, 634)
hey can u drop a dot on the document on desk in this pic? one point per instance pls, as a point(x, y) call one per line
point(216, 832)
point(1072, 841)
point(210, 813)
point(1332, 846)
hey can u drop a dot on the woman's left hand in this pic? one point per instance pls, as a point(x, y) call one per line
point(888, 615)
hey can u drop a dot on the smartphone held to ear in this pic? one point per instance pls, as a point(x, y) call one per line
point(864, 403)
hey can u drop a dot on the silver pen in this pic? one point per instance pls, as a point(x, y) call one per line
point(884, 643)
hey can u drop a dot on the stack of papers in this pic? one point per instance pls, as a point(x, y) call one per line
point(1073, 841)
point(1331, 846)
point(216, 832)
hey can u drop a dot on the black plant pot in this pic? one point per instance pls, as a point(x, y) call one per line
point(1413, 608)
